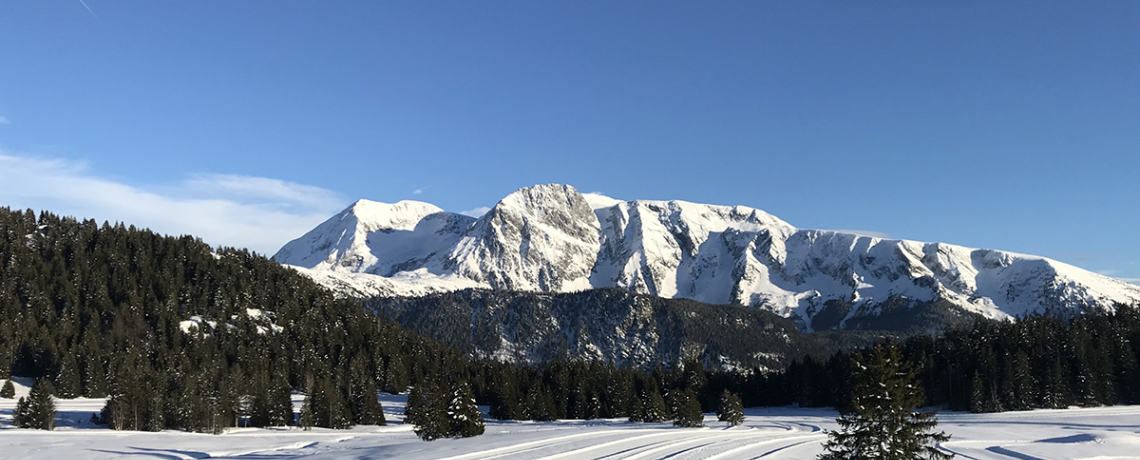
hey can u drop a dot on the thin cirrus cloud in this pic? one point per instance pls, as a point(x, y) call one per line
point(477, 212)
point(870, 233)
point(258, 213)
point(3, 120)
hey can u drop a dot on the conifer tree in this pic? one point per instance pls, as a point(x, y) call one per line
point(731, 409)
point(653, 406)
point(463, 414)
point(881, 422)
point(67, 381)
point(9, 391)
point(38, 411)
point(686, 410)
point(427, 410)
point(20, 415)
point(367, 409)
point(305, 420)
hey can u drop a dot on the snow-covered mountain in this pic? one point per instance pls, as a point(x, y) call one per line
point(551, 238)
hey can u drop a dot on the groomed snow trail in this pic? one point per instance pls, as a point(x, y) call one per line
point(775, 433)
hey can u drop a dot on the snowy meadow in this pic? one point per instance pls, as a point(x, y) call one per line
point(769, 433)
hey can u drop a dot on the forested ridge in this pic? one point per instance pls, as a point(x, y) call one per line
point(1038, 361)
point(104, 311)
point(177, 334)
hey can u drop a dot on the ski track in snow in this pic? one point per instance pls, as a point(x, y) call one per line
point(768, 433)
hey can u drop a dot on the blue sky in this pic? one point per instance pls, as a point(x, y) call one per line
point(1011, 125)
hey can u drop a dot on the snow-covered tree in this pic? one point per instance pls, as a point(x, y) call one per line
point(882, 422)
point(9, 391)
point(730, 410)
point(427, 410)
point(463, 414)
point(686, 409)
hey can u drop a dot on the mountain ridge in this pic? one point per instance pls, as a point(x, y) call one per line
point(552, 238)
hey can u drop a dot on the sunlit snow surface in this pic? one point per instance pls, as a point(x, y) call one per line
point(551, 238)
point(788, 433)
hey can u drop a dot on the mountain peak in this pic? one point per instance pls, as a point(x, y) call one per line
point(552, 238)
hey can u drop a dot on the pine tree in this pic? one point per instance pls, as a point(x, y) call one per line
point(9, 391)
point(20, 416)
point(653, 406)
point(686, 410)
point(730, 410)
point(305, 420)
point(427, 410)
point(463, 415)
point(367, 408)
point(881, 422)
point(38, 411)
point(67, 381)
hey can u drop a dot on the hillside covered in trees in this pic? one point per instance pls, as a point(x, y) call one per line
point(177, 334)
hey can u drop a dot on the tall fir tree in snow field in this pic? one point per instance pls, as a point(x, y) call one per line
point(463, 414)
point(427, 410)
point(686, 409)
point(38, 410)
point(882, 422)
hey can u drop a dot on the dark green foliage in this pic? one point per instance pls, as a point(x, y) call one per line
point(881, 421)
point(328, 406)
point(1038, 361)
point(686, 410)
point(9, 391)
point(273, 405)
point(67, 381)
point(648, 405)
point(181, 335)
point(107, 311)
point(730, 410)
point(306, 419)
point(38, 410)
point(427, 410)
point(463, 416)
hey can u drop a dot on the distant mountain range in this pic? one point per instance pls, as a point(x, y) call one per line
point(553, 239)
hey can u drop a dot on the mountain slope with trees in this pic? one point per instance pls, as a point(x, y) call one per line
point(178, 335)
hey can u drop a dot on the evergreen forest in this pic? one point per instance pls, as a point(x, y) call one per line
point(177, 334)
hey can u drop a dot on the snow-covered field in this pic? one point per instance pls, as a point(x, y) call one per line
point(1101, 433)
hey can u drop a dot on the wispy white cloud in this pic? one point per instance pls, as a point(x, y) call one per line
point(228, 210)
point(869, 233)
point(477, 212)
point(89, 10)
point(3, 120)
point(417, 191)
point(1135, 281)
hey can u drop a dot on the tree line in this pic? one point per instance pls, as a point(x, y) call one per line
point(1037, 361)
point(176, 334)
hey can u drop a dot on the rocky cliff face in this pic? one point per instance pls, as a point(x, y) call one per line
point(551, 238)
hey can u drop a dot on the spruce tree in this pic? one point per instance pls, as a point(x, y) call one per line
point(463, 415)
point(305, 420)
point(686, 410)
point(9, 391)
point(427, 410)
point(38, 411)
point(730, 410)
point(881, 421)
point(67, 381)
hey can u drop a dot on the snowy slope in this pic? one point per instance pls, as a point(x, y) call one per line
point(551, 238)
point(770, 433)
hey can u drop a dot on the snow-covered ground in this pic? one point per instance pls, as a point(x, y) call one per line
point(1100, 433)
